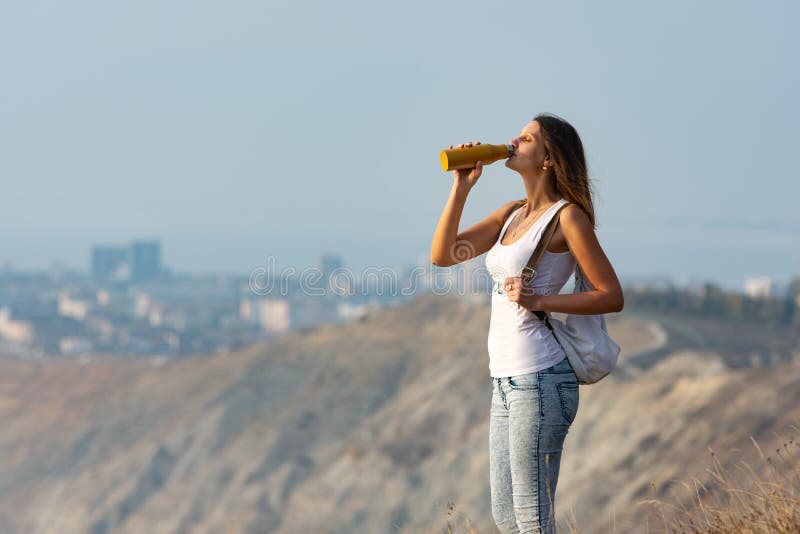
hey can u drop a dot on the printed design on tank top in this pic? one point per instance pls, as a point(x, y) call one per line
point(497, 258)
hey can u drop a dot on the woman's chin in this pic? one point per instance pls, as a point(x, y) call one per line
point(514, 167)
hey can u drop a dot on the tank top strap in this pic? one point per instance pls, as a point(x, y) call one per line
point(551, 211)
point(508, 221)
point(548, 215)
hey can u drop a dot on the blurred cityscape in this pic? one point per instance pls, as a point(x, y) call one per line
point(130, 305)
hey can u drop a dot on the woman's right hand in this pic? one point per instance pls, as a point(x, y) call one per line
point(466, 178)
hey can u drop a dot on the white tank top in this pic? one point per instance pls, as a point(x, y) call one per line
point(519, 342)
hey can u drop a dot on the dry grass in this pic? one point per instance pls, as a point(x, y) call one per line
point(762, 505)
point(759, 506)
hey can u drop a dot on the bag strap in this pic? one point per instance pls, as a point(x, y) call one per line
point(529, 270)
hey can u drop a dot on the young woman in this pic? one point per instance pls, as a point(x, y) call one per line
point(534, 388)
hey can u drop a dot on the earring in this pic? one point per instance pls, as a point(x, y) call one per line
point(544, 168)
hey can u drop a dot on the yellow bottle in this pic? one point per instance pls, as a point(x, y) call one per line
point(467, 157)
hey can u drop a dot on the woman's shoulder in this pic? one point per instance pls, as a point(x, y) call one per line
point(516, 203)
point(573, 216)
point(511, 206)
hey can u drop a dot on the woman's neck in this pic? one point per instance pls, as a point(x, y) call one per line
point(539, 193)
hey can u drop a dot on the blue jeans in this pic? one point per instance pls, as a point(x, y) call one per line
point(529, 420)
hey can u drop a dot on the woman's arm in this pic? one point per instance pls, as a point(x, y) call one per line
point(607, 294)
point(449, 249)
point(444, 251)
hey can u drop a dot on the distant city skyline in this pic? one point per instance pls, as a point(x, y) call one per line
point(240, 257)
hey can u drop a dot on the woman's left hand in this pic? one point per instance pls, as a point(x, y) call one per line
point(521, 294)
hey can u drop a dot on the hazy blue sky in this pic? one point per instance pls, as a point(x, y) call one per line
point(232, 130)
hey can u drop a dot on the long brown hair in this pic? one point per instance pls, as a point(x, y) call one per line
point(569, 176)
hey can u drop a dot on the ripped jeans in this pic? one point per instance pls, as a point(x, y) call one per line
point(529, 420)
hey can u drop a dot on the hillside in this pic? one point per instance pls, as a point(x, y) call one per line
point(365, 427)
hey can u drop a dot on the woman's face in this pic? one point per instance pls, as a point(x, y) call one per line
point(529, 151)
